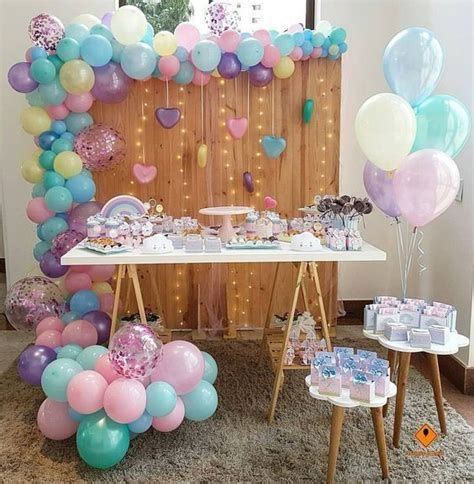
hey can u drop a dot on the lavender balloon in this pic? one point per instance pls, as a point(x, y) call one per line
point(379, 186)
point(50, 265)
point(32, 362)
point(65, 241)
point(32, 299)
point(111, 83)
point(101, 322)
point(19, 77)
point(260, 75)
point(229, 65)
point(79, 215)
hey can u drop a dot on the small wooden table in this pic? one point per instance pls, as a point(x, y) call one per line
point(339, 405)
point(399, 354)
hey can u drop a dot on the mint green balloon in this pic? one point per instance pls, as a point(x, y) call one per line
point(52, 93)
point(160, 398)
point(68, 49)
point(100, 441)
point(69, 351)
point(442, 123)
point(56, 377)
point(34, 98)
point(210, 368)
point(201, 403)
point(43, 71)
point(88, 356)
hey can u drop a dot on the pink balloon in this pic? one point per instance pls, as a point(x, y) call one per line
point(425, 185)
point(51, 322)
point(77, 269)
point(85, 392)
point(57, 112)
point(54, 421)
point(201, 78)
point(50, 338)
point(28, 54)
point(125, 400)
point(77, 281)
point(105, 368)
point(37, 210)
point(101, 273)
point(79, 332)
point(106, 302)
point(317, 51)
point(182, 366)
point(263, 36)
point(229, 40)
point(297, 53)
point(168, 66)
point(171, 421)
point(187, 35)
point(305, 57)
point(79, 103)
point(271, 56)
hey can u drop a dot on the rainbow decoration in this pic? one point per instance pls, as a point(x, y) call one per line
point(123, 205)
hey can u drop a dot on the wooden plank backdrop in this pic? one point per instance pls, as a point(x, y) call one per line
point(231, 294)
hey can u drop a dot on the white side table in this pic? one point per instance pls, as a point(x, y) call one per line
point(401, 351)
point(339, 405)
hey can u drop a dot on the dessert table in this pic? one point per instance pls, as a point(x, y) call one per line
point(274, 339)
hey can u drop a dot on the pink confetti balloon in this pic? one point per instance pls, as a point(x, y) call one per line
point(65, 241)
point(78, 219)
point(100, 147)
point(32, 299)
point(221, 16)
point(135, 351)
point(46, 31)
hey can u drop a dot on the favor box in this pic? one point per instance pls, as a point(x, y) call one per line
point(347, 364)
point(439, 334)
point(409, 318)
point(426, 321)
point(382, 319)
point(396, 332)
point(381, 377)
point(366, 355)
point(330, 382)
point(341, 351)
point(420, 338)
point(323, 358)
point(362, 387)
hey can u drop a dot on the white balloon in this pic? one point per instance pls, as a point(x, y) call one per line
point(128, 25)
point(86, 19)
point(385, 128)
point(324, 27)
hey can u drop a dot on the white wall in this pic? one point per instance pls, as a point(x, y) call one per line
point(19, 233)
point(448, 240)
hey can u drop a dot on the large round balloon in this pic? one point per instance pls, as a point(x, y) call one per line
point(206, 55)
point(32, 362)
point(78, 216)
point(442, 123)
point(128, 24)
point(260, 75)
point(425, 185)
point(385, 128)
point(64, 242)
point(222, 16)
point(101, 442)
point(32, 299)
point(101, 322)
point(46, 31)
point(111, 84)
point(20, 79)
point(379, 186)
point(54, 420)
point(229, 66)
point(412, 64)
point(100, 147)
point(201, 403)
point(51, 266)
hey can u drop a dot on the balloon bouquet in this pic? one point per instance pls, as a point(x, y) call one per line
point(410, 138)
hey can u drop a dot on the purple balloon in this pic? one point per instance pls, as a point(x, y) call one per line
point(101, 322)
point(32, 362)
point(248, 181)
point(107, 19)
point(379, 186)
point(111, 83)
point(78, 216)
point(229, 66)
point(260, 75)
point(50, 265)
point(64, 242)
point(20, 79)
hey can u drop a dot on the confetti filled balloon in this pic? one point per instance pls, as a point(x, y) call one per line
point(32, 299)
point(221, 16)
point(100, 146)
point(135, 351)
point(46, 31)
point(64, 242)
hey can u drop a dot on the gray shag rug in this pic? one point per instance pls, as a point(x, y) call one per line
point(237, 444)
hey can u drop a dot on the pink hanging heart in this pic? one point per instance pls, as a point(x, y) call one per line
point(168, 117)
point(269, 202)
point(144, 173)
point(237, 126)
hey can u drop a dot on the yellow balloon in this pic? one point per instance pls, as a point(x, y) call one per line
point(31, 170)
point(76, 76)
point(102, 288)
point(35, 120)
point(68, 164)
point(202, 156)
point(284, 68)
point(215, 73)
point(165, 43)
point(128, 25)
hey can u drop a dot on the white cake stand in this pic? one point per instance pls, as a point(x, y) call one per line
point(226, 232)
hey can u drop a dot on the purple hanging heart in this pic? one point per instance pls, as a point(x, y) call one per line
point(168, 117)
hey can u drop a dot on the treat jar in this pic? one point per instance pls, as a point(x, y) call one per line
point(93, 228)
point(112, 228)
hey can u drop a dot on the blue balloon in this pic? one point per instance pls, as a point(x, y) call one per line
point(161, 398)
point(412, 64)
point(38, 190)
point(76, 122)
point(206, 55)
point(40, 249)
point(52, 179)
point(52, 93)
point(117, 50)
point(201, 403)
point(71, 351)
point(82, 188)
point(68, 136)
point(68, 49)
point(326, 43)
point(58, 63)
point(210, 368)
point(324, 52)
point(76, 416)
point(84, 301)
point(250, 51)
point(37, 52)
point(307, 48)
point(318, 39)
point(181, 53)
point(46, 159)
point(245, 35)
point(185, 74)
point(59, 127)
point(52, 227)
point(138, 61)
point(34, 98)
point(39, 232)
point(88, 357)
point(298, 38)
point(68, 317)
point(308, 34)
point(86, 172)
point(64, 216)
point(342, 47)
point(101, 29)
point(61, 145)
point(96, 50)
point(284, 43)
point(56, 377)
point(149, 34)
point(273, 34)
point(46, 139)
point(337, 35)
point(142, 424)
point(58, 199)
point(77, 32)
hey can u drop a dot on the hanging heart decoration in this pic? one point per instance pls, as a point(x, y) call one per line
point(202, 156)
point(308, 108)
point(144, 173)
point(273, 145)
point(237, 126)
point(168, 117)
point(248, 181)
point(269, 202)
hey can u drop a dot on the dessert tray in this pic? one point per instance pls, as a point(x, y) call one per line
point(104, 245)
point(249, 244)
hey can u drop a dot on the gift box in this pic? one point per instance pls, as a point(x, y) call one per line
point(176, 240)
point(383, 319)
point(354, 240)
point(323, 358)
point(409, 315)
point(439, 334)
point(396, 332)
point(387, 300)
point(380, 374)
point(420, 338)
point(421, 303)
point(347, 364)
point(366, 355)
point(342, 351)
point(451, 316)
point(427, 320)
point(330, 380)
point(361, 386)
point(212, 244)
point(194, 243)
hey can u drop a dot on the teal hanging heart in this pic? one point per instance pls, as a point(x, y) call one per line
point(273, 146)
point(308, 107)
